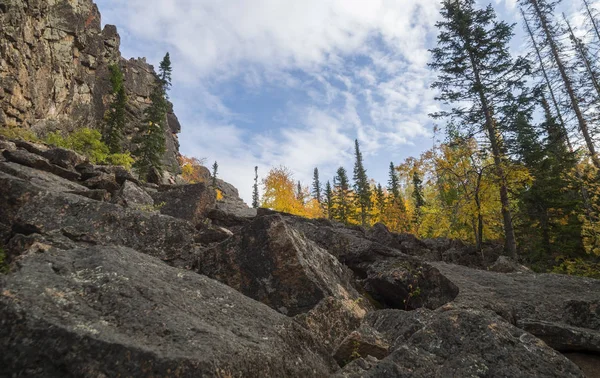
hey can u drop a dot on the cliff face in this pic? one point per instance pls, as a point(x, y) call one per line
point(54, 59)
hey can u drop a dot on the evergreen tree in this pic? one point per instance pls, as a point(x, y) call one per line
point(316, 190)
point(418, 192)
point(299, 193)
point(394, 189)
point(115, 117)
point(380, 198)
point(329, 200)
point(361, 185)
point(215, 169)
point(342, 200)
point(152, 145)
point(165, 72)
point(477, 71)
point(255, 197)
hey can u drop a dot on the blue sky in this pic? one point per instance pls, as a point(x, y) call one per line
point(274, 82)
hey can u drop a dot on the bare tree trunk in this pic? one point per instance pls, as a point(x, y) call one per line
point(567, 83)
point(594, 25)
point(547, 79)
point(495, 141)
point(581, 50)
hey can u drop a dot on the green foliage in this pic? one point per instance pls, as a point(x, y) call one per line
point(88, 142)
point(165, 72)
point(342, 197)
point(152, 208)
point(578, 267)
point(329, 200)
point(3, 263)
point(215, 170)
point(255, 196)
point(115, 116)
point(361, 185)
point(316, 186)
point(11, 132)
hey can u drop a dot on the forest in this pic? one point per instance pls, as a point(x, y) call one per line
point(517, 166)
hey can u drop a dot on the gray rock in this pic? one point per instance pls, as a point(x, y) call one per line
point(132, 196)
point(45, 180)
point(213, 234)
point(462, 343)
point(7, 145)
point(506, 265)
point(28, 159)
point(62, 157)
point(111, 311)
point(104, 181)
point(190, 202)
point(91, 222)
point(361, 343)
point(562, 310)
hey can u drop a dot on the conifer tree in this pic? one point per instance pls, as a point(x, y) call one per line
point(418, 194)
point(299, 193)
point(477, 71)
point(215, 168)
point(329, 200)
point(342, 199)
point(539, 13)
point(165, 72)
point(255, 197)
point(394, 189)
point(316, 189)
point(361, 185)
point(380, 197)
point(115, 117)
point(152, 144)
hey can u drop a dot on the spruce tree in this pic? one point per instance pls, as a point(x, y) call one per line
point(316, 189)
point(165, 72)
point(394, 189)
point(299, 194)
point(479, 79)
point(418, 192)
point(329, 200)
point(152, 144)
point(380, 197)
point(255, 197)
point(115, 117)
point(361, 185)
point(342, 199)
point(215, 168)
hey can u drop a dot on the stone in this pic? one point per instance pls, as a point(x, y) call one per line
point(132, 196)
point(64, 158)
point(212, 234)
point(563, 311)
point(231, 203)
point(462, 343)
point(91, 222)
point(111, 311)
point(274, 264)
point(506, 265)
point(190, 202)
point(23, 157)
point(363, 342)
point(104, 181)
point(7, 145)
point(45, 180)
point(34, 148)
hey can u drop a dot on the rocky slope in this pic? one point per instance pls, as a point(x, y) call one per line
point(54, 59)
point(109, 276)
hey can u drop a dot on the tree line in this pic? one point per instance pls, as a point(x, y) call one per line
point(518, 164)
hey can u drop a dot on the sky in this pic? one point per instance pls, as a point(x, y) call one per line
point(281, 82)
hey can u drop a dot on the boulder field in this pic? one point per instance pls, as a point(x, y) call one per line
point(107, 276)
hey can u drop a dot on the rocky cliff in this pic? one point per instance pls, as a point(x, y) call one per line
point(106, 276)
point(54, 59)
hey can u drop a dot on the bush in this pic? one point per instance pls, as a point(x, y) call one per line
point(18, 133)
point(89, 143)
point(578, 267)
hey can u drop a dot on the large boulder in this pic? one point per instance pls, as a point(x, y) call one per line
point(190, 202)
point(562, 310)
point(65, 158)
point(273, 263)
point(132, 196)
point(24, 157)
point(111, 311)
point(91, 222)
point(460, 343)
point(231, 203)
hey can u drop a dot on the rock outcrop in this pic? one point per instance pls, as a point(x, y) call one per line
point(106, 281)
point(54, 71)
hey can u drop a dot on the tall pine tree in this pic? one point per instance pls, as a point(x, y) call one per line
point(329, 200)
point(316, 189)
point(342, 199)
point(215, 169)
point(255, 196)
point(477, 72)
point(115, 117)
point(361, 185)
point(152, 144)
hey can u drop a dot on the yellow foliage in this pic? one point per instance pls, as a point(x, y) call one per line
point(219, 194)
point(192, 169)
point(279, 192)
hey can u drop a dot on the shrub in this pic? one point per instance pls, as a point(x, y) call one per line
point(89, 143)
point(18, 133)
point(578, 267)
